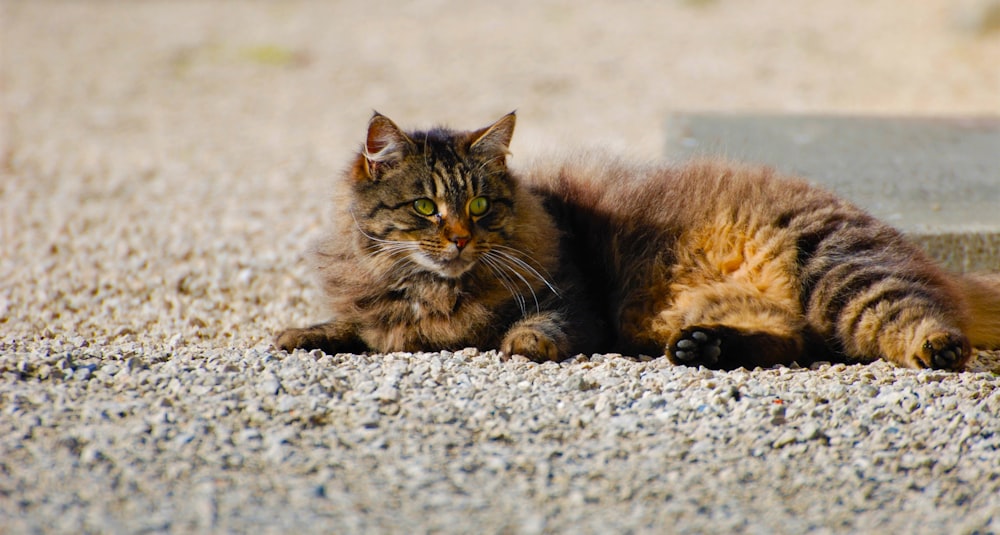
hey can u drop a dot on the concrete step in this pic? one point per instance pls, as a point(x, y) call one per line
point(937, 179)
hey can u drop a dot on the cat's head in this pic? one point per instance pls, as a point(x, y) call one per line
point(436, 200)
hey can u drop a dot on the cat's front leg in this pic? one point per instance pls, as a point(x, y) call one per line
point(330, 337)
point(539, 337)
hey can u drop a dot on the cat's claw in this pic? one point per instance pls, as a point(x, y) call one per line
point(696, 348)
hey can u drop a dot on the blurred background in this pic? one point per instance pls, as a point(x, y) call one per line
point(259, 75)
point(160, 151)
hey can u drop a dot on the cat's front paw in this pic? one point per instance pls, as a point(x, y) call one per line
point(292, 339)
point(331, 338)
point(531, 343)
point(943, 351)
point(696, 347)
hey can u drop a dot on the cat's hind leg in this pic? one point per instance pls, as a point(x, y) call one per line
point(724, 347)
point(873, 312)
point(726, 326)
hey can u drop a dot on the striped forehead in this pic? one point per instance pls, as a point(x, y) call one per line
point(451, 178)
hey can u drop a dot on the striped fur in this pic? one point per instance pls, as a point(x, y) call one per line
point(726, 266)
point(710, 263)
point(397, 279)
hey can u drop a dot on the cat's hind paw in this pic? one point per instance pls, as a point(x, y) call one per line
point(696, 347)
point(727, 348)
point(942, 351)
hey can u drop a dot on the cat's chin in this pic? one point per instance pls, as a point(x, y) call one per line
point(454, 269)
point(446, 269)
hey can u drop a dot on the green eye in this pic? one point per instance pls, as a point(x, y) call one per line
point(425, 207)
point(479, 206)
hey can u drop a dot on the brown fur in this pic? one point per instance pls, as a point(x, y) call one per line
point(710, 263)
point(726, 265)
point(399, 280)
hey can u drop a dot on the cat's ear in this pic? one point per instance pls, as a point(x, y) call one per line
point(494, 139)
point(385, 145)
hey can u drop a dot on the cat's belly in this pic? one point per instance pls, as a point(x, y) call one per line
point(716, 267)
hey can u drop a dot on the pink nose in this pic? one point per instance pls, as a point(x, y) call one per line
point(460, 241)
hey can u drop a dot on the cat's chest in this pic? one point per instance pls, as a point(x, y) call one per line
point(425, 315)
point(429, 300)
point(419, 303)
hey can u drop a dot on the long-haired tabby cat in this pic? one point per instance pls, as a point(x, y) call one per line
point(438, 245)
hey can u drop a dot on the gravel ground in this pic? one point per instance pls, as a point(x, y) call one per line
point(163, 166)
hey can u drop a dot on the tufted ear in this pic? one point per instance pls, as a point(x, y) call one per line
point(494, 139)
point(385, 145)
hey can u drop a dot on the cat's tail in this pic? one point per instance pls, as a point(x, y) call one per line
point(982, 294)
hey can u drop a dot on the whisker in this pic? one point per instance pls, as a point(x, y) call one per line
point(397, 253)
point(502, 156)
point(502, 260)
point(504, 263)
point(391, 249)
point(519, 253)
point(396, 250)
point(500, 272)
point(369, 236)
point(506, 281)
point(399, 269)
point(527, 267)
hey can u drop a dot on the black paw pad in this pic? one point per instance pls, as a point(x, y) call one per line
point(946, 358)
point(697, 347)
point(944, 352)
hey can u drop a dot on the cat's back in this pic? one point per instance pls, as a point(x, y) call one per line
point(677, 196)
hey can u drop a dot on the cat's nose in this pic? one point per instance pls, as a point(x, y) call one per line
point(458, 233)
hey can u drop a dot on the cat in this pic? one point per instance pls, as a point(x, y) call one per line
point(710, 263)
point(727, 265)
point(435, 245)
